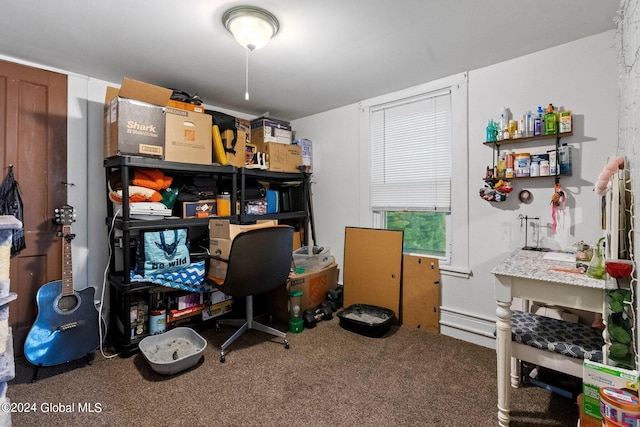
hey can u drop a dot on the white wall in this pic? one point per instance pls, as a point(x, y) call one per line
point(336, 171)
point(580, 76)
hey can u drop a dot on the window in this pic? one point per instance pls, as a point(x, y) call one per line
point(411, 138)
point(410, 169)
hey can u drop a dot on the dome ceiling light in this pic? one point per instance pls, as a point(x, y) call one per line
point(252, 28)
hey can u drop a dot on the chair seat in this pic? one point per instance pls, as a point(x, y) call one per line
point(567, 338)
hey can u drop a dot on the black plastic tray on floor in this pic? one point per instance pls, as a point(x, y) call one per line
point(365, 319)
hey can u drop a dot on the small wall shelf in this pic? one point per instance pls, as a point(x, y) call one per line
point(522, 140)
point(527, 139)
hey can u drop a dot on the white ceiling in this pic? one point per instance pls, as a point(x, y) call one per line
point(328, 53)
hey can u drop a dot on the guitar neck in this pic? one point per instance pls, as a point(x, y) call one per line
point(67, 267)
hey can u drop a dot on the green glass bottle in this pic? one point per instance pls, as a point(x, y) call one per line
point(550, 121)
point(596, 266)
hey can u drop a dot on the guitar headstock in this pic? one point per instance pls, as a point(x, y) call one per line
point(65, 215)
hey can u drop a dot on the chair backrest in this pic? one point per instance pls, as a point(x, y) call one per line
point(259, 261)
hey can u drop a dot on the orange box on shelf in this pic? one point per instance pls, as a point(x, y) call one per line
point(199, 209)
point(185, 106)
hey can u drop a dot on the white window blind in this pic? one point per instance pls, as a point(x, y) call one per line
point(411, 153)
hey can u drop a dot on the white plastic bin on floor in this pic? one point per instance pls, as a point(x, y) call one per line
point(314, 261)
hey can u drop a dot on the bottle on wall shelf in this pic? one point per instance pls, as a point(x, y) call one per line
point(544, 168)
point(502, 166)
point(529, 124)
point(537, 123)
point(509, 164)
point(492, 131)
point(513, 128)
point(504, 118)
point(550, 121)
point(534, 169)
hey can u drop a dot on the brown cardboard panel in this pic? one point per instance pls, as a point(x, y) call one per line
point(223, 229)
point(372, 267)
point(112, 92)
point(146, 92)
point(421, 293)
point(283, 157)
point(297, 242)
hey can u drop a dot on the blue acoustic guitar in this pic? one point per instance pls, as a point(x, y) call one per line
point(66, 327)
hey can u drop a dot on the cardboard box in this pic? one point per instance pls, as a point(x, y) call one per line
point(220, 247)
point(223, 229)
point(269, 130)
point(265, 121)
point(189, 300)
point(199, 209)
point(249, 151)
point(282, 157)
point(314, 286)
point(221, 235)
point(134, 119)
point(237, 159)
point(138, 318)
point(307, 153)
point(185, 106)
point(188, 137)
point(297, 240)
point(217, 268)
point(554, 313)
point(217, 309)
point(564, 121)
point(233, 139)
point(596, 375)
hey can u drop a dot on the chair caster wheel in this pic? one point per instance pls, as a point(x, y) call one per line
point(222, 358)
point(286, 344)
point(218, 329)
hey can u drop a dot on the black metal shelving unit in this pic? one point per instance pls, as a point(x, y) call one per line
point(124, 293)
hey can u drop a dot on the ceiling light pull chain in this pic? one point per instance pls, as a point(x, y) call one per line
point(246, 77)
point(252, 27)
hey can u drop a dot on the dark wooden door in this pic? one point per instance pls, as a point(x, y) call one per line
point(33, 138)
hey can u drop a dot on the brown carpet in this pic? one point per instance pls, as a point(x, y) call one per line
point(329, 376)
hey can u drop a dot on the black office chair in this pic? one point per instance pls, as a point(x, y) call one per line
point(259, 261)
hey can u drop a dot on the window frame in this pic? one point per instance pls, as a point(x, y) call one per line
point(458, 220)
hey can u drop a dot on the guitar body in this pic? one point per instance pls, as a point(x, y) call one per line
point(66, 327)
